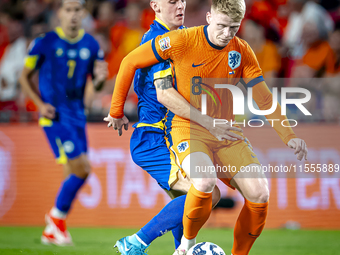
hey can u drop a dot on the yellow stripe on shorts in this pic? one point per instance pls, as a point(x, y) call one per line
point(175, 168)
point(159, 124)
point(62, 159)
point(173, 178)
point(44, 122)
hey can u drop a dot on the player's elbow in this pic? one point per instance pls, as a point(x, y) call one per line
point(163, 97)
point(25, 76)
point(129, 62)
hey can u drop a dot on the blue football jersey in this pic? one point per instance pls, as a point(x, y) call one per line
point(64, 65)
point(150, 111)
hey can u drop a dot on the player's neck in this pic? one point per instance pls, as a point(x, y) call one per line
point(69, 33)
point(211, 39)
point(167, 26)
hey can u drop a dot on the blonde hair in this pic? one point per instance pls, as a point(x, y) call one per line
point(235, 9)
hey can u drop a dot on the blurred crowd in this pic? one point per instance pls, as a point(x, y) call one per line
point(295, 39)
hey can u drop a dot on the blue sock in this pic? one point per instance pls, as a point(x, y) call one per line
point(68, 191)
point(169, 218)
point(178, 233)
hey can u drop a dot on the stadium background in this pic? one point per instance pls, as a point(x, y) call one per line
point(294, 39)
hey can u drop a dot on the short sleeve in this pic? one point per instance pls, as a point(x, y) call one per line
point(161, 70)
point(170, 45)
point(35, 53)
point(251, 73)
point(97, 54)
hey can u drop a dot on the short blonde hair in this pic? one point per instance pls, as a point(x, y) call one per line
point(235, 9)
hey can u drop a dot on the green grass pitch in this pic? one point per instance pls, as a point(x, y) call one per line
point(99, 241)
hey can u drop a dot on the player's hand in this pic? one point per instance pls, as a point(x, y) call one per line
point(47, 111)
point(222, 131)
point(100, 71)
point(117, 124)
point(300, 148)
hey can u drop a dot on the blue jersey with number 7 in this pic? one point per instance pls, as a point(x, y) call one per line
point(64, 65)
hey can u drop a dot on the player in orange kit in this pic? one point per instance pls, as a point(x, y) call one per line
point(202, 56)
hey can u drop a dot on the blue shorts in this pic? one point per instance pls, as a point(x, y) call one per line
point(149, 151)
point(66, 140)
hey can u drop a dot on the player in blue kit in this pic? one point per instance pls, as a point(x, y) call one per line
point(67, 59)
point(147, 145)
point(154, 87)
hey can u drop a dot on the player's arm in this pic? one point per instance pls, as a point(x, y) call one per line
point(99, 70)
point(176, 103)
point(141, 57)
point(264, 99)
point(170, 45)
point(46, 110)
point(252, 74)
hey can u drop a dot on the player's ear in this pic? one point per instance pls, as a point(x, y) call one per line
point(59, 13)
point(208, 17)
point(154, 5)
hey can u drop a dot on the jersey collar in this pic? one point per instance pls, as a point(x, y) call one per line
point(162, 23)
point(62, 35)
point(210, 43)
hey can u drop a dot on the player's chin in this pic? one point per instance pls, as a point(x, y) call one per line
point(75, 25)
point(222, 44)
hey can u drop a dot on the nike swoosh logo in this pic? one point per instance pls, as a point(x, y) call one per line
point(193, 65)
point(253, 235)
point(126, 249)
point(252, 156)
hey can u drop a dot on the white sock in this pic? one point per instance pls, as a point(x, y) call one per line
point(140, 240)
point(56, 213)
point(186, 244)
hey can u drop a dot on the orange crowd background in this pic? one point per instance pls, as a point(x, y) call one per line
point(291, 39)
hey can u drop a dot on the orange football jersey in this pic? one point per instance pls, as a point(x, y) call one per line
point(199, 65)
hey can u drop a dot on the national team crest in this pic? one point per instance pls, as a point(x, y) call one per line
point(182, 147)
point(59, 52)
point(234, 59)
point(165, 43)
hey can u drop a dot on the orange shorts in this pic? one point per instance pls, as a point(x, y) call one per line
point(228, 157)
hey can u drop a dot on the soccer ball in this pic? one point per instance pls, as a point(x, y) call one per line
point(206, 248)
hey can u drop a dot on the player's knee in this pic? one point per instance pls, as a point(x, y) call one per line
point(205, 184)
point(86, 169)
point(263, 197)
point(216, 196)
point(80, 167)
point(260, 195)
